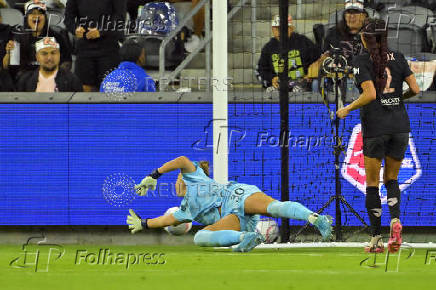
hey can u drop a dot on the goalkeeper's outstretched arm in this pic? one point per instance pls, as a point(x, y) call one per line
point(150, 181)
point(182, 162)
point(162, 221)
point(137, 224)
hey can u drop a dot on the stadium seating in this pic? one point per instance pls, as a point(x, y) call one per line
point(407, 29)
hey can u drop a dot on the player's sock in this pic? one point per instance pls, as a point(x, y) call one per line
point(394, 193)
point(373, 206)
point(225, 238)
point(291, 210)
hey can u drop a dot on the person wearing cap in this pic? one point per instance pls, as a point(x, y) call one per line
point(49, 77)
point(97, 31)
point(6, 83)
point(5, 37)
point(36, 27)
point(129, 77)
point(302, 54)
point(346, 33)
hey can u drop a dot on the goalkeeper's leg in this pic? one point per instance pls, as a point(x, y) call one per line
point(260, 203)
point(226, 232)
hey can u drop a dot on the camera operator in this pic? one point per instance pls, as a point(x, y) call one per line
point(344, 39)
point(346, 34)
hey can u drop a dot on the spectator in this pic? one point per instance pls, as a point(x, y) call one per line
point(129, 76)
point(5, 36)
point(6, 84)
point(346, 34)
point(194, 41)
point(303, 53)
point(48, 77)
point(97, 33)
point(36, 27)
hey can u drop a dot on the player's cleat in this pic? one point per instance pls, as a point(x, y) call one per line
point(375, 245)
point(395, 238)
point(324, 224)
point(249, 241)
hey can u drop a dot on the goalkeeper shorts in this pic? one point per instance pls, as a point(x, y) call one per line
point(233, 203)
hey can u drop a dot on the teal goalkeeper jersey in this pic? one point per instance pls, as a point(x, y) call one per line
point(202, 200)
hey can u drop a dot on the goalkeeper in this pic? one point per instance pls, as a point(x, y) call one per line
point(230, 212)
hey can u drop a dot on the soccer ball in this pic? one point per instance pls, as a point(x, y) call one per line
point(269, 229)
point(180, 229)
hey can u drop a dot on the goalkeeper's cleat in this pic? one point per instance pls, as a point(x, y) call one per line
point(375, 245)
point(395, 238)
point(249, 241)
point(324, 224)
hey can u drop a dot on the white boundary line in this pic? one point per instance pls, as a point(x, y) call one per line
point(332, 245)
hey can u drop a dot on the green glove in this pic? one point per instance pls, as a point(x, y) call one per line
point(147, 183)
point(135, 222)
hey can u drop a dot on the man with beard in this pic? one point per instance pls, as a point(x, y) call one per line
point(48, 78)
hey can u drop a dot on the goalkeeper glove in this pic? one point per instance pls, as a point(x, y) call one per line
point(135, 222)
point(149, 182)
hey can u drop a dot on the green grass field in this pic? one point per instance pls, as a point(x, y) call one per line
point(200, 268)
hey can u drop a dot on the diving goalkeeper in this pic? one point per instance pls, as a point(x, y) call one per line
point(230, 212)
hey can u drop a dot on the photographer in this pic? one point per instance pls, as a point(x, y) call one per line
point(346, 34)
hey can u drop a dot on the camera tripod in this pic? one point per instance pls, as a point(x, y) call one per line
point(336, 68)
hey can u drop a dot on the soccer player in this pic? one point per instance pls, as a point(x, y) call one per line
point(230, 212)
point(380, 74)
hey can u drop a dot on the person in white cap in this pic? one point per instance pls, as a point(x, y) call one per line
point(302, 54)
point(36, 26)
point(48, 78)
point(346, 33)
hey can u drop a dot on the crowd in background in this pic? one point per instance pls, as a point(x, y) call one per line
point(97, 45)
point(93, 32)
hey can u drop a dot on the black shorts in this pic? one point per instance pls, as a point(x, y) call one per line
point(92, 70)
point(392, 145)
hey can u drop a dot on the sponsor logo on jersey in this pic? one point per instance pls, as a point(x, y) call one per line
point(390, 102)
point(356, 70)
point(353, 168)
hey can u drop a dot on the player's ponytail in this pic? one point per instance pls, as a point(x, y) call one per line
point(375, 35)
point(205, 166)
